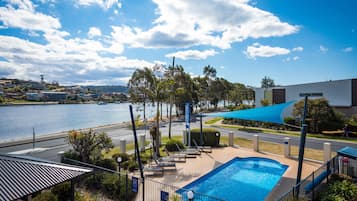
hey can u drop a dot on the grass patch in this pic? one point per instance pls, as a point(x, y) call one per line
point(214, 120)
point(276, 148)
point(292, 133)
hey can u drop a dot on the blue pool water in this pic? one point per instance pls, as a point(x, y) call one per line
point(240, 179)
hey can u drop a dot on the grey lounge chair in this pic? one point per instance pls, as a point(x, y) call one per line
point(165, 164)
point(188, 151)
point(207, 149)
point(153, 170)
point(175, 157)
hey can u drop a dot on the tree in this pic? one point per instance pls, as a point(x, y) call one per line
point(320, 115)
point(141, 87)
point(210, 72)
point(267, 82)
point(240, 93)
point(89, 144)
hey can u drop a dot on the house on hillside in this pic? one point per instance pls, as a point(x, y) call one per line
point(53, 96)
point(341, 94)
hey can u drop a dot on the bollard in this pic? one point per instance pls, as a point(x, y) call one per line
point(122, 145)
point(231, 138)
point(287, 147)
point(142, 142)
point(256, 143)
point(184, 138)
point(327, 151)
point(60, 156)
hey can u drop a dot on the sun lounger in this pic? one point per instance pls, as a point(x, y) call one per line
point(175, 157)
point(153, 171)
point(207, 149)
point(188, 151)
point(165, 164)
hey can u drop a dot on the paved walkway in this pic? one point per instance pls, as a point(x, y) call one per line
point(197, 167)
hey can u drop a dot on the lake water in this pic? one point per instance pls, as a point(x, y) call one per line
point(18, 121)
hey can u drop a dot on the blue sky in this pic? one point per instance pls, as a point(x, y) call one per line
point(104, 41)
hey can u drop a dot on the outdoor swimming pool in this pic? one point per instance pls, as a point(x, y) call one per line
point(249, 179)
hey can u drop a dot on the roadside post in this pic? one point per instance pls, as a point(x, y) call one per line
point(187, 120)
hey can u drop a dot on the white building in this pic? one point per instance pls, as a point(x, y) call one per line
point(341, 94)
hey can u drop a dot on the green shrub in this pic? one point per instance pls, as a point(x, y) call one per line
point(209, 136)
point(62, 191)
point(109, 184)
point(132, 165)
point(171, 145)
point(107, 163)
point(94, 181)
point(72, 155)
point(120, 192)
point(45, 196)
point(340, 188)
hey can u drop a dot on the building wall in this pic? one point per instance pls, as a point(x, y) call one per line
point(338, 93)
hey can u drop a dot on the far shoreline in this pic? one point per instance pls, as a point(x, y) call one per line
point(57, 135)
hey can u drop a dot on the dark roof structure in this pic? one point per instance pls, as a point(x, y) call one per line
point(22, 176)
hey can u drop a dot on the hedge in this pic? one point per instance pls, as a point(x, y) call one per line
point(209, 136)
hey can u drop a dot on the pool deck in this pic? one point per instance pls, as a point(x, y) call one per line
point(197, 167)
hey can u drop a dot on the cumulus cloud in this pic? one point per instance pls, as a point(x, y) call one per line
point(296, 58)
point(348, 49)
point(258, 50)
point(21, 14)
point(323, 49)
point(297, 49)
point(93, 32)
point(66, 59)
point(192, 54)
point(105, 4)
point(218, 23)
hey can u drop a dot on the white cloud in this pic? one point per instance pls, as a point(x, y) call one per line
point(348, 49)
point(298, 49)
point(27, 19)
point(258, 50)
point(296, 58)
point(59, 57)
point(93, 32)
point(217, 23)
point(192, 54)
point(323, 49)
point(105, 4)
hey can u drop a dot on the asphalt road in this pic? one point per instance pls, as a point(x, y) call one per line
point(48, 149)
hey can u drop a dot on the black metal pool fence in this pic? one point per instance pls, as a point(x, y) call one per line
point(309, 187)
point(140, 190)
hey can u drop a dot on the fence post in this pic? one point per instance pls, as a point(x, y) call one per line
point(327, 151)
point(287, 147)
point(122, 145)
point(256, 143)
point(60, 156)
point(231, 139)
point(142, 142)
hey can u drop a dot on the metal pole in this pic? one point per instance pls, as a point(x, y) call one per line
point(302, 146)
point(137, 148)
point(201, 132)
point(72, 190)
point(126, 187)
point(33, 138)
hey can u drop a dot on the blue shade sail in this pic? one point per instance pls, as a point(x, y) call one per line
point(271, 114)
